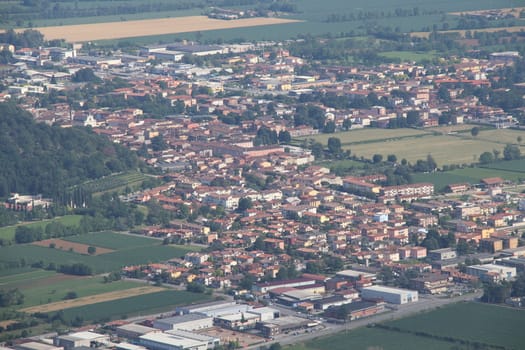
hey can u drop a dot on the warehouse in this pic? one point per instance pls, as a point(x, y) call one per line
point(133, 331)
point(282, 325)
point(162, 341)
point(189, 322)
point(390, 294)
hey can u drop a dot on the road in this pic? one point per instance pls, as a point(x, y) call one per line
point(425, 303)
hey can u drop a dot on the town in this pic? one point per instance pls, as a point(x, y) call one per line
point(288, 245)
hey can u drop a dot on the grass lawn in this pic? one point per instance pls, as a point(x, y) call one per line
point(8, 232)
point(139, 305)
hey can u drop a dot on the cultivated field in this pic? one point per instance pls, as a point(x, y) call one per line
point(130, 29)
point(467, 322)
point(148, 251)
point(71, 246)
point(92, 299)
point(138, 305)
point(44, 287)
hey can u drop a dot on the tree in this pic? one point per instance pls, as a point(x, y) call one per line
point(245, 204)
point(158, 143)
point(334, 146)
point(486, 158)
point(391, 158)
point(474, 131)
point(511, 152)
point(70, 295)
point(413, 118)
point(347, 124)
point(84, 75)
point(377, 158)
point(317, 150)
point(284, 136)
point(91, 250)
point(519, 139)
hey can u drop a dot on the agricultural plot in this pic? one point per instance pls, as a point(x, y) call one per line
point(8, 233)
point(471, 321)
point(99, 264)
point(130, 29)
point(139, 305)
point(460, 322)
point(112, 240)
point(92, 299)
point(372, 338)
point(54, 288)
point(71, 246)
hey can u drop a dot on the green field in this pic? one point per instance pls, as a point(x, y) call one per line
point(412, 144)
point(8, 232)
point(43, 287)
point(139, 305)
point(112, 240)
point(473, 322)
point(409, 56)
point(373, 339)
point(126, 255)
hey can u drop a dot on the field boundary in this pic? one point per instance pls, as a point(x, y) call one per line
point(92, 299)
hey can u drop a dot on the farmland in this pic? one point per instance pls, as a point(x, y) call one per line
point(92, 299)
point(467, 322)
point(142, 304)
point(412, 144)
point(126, 255)
point(310, 17)
point(8, 233)
point(71, 246)
point(130, 29)
point(44, 287)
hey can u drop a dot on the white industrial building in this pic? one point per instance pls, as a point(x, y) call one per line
point(189, 322)
point(491, 272)
point(77, 339)
point(164, 341)
point(389, 294)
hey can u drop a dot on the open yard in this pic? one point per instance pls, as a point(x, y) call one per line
point(92, 299)
point(472, 322)
point(130, 29)
point(80, 248)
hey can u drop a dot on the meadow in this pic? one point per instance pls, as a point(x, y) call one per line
point(472, 322)
point(7, 233)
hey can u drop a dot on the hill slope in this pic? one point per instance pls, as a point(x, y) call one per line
point(37, 158)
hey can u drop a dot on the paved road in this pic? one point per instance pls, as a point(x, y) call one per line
point(425, 303)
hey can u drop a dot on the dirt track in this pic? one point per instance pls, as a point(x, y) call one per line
point(130, 29)
point(92, 299)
